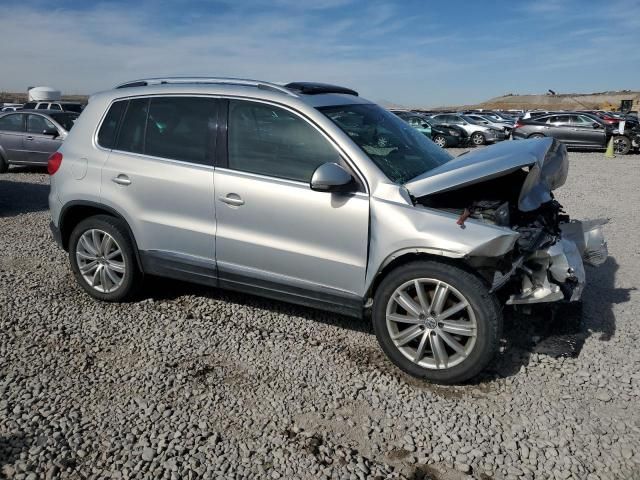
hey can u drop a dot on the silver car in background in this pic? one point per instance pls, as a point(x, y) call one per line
point(29, 137)
point(311, 194)
point(480, 133)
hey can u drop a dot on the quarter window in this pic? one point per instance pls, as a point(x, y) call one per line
point(131, 138)
point(271, 141)
point(109, 127)
point(12, 123)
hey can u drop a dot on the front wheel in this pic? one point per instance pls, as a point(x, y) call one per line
point(440, 140)
point(478, 139)
point(621, 145)
point(436, 321)
point(103, 258)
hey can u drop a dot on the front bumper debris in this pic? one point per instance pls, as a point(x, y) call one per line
point(557, 272)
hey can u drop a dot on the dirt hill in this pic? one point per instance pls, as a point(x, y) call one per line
point(565, 101)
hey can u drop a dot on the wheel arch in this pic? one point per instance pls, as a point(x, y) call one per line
point(76, 211)
point(404, 257)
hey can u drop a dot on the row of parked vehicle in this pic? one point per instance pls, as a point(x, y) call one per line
point(588, 129)
point(58, 106)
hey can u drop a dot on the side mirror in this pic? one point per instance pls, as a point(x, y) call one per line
point(50, 131)
point(331, 177)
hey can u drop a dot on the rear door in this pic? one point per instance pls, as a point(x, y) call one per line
point(12, 130)
point(159, 176)
point(38, 145)
point(559, 127)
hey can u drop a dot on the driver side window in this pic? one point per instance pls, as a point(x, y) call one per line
point(38, 124)
point(271, 141)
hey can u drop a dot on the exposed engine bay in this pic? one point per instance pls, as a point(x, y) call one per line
point(546, 263)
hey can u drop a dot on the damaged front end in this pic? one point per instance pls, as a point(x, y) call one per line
point(511, 186)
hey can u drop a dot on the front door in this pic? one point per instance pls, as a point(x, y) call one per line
point(159, 175)
point(585, 133)
point(38, 145)
point(275, 236)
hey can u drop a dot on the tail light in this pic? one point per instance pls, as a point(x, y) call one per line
point(54, 162)
point(518, 124)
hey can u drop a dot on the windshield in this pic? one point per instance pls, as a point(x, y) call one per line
point(65, 119)
point(399, 150)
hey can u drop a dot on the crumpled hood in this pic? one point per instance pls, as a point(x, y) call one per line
point(546, 158)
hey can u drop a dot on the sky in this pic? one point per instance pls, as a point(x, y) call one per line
point(410, 52)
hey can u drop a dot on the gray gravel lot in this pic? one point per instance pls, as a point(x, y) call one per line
point(193, 383)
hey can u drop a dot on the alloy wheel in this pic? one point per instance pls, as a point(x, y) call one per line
point(621, 145)
point(100, 260)
point(440, 141)
point(477, 139)
point(431, 323)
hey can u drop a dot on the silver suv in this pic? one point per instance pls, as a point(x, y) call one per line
point(311, 194)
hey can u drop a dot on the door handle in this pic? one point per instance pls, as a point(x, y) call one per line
point(232, 199)
point(121, 180)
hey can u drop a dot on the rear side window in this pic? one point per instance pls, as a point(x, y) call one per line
point(131, 138)
point(12, 123)
point(55, 106)
point(29, 106)
point(182, 128)
point(109, 128)
point(271, 141)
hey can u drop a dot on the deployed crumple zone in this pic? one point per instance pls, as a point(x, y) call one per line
point(510, 185)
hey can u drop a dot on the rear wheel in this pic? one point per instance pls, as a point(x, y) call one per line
point(621, 145)
point(103, 259)
point(436, 321)
point(478, 139)
point(440, 140)
point(536, 135)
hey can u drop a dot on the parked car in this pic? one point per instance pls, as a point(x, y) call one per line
point(506, 127)
point(480, 134)
point(311, 194)
point(29, 137)
point(442, 136)
point(60, 106)
point(11, 107)
point(575, 129)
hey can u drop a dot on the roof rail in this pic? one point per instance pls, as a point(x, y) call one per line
point(207, 80)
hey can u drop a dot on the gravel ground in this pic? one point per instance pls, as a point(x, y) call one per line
point(193, 383)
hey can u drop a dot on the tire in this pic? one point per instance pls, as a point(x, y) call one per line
point(4, 165)
point(621, 145)
point(478, 139)
point(536, 135)
point(482, 313)
point(107, 268)
point(440, 140)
